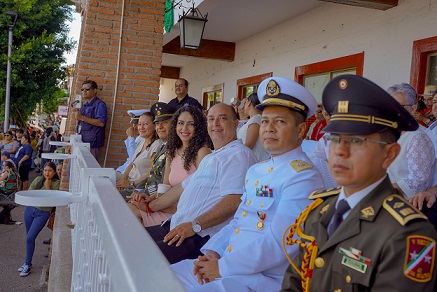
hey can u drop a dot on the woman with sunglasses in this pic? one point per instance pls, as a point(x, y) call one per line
point(9, 144)
point(35, 218)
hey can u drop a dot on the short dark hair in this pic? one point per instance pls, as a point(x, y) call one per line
point(233, 112)
point(254, 99)
point(185, 81)
point(19, 131)
point(93, 83)
point(389, 136)
point(298, 117)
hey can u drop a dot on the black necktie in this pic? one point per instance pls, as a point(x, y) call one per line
point(342, 208)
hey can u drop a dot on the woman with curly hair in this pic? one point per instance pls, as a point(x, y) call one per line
point(188, 143)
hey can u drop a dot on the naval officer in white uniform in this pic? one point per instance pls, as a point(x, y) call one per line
point(247, 255)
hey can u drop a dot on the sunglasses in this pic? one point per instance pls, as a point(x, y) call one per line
point(87, 89)
point(318, 111)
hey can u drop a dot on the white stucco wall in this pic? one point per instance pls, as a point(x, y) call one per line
point(327, 32)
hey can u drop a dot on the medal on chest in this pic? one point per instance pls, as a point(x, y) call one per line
point(262, 216)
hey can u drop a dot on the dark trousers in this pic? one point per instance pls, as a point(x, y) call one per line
point(189, 249)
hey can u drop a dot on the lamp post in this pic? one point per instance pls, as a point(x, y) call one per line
point(191, 25)
point(11, 18)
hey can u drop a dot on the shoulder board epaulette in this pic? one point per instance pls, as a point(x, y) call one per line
point(401, 209)
point(325, 193)
point(299, 165)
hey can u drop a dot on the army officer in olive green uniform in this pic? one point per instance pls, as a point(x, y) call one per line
point(362, 236)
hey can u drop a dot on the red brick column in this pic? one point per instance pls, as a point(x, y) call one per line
point(140, 63)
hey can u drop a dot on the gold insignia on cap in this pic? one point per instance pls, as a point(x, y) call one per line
point(343, 106)
point(272, 88)
point(343, 84)
point(158, 112)
point(367, 212)
point(364, 119)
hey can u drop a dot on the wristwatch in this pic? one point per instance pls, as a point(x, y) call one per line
point(196, 227)
point(132, 183)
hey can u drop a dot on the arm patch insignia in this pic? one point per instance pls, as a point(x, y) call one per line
point(419, 258)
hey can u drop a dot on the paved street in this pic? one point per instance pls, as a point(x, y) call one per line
point(12, 256)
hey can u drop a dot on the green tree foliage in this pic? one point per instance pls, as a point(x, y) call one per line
point(39, 42)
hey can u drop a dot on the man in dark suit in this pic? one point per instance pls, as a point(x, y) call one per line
point(182, 98)
point(362, 236)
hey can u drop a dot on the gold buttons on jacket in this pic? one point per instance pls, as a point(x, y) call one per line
point(249, 202)
point(270, 169)
point(229, 248)
point(261, 204)
point(237, 230)
point(244, 214)
point(348, 279)
point(256, 183)
point(320, 262)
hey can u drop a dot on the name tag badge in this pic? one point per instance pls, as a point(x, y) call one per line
point(354, 264)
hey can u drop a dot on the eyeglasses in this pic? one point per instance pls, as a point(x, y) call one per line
point(87, 89)
point(352, 142)
point(7, 135)
point(318, 111)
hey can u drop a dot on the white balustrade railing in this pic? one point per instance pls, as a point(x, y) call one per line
point(111, 250)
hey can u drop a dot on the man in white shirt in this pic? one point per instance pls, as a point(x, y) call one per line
point(207, 199)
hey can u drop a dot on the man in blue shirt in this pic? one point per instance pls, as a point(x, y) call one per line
point(182, 98)
point(92, 118)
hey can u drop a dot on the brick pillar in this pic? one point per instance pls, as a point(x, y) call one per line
point(140, 63)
